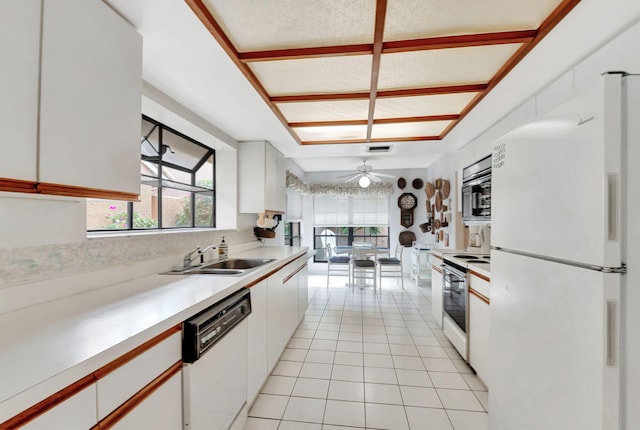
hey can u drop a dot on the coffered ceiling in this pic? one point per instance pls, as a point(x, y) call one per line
point(361, 71)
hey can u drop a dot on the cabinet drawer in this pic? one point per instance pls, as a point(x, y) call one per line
point(77, 412)
point(161, 411)
point(116, 387)
point(480, 285)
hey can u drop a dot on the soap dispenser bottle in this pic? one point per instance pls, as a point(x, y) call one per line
point(223, 249)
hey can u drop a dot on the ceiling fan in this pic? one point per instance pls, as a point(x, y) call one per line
point(365, 175)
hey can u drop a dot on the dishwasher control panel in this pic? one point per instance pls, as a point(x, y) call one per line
point(203, 330)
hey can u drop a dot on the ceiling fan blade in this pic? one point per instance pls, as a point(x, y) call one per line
point(382, 175)
point(354, 178)
point(346, 176)
point(374, 178)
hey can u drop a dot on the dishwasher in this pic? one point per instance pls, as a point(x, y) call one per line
point(214, 374)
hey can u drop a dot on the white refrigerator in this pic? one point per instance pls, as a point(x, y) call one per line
point(565, 289)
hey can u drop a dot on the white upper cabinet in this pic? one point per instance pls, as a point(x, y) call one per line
point(90, 101)
point(19, 50)
point(261, 178)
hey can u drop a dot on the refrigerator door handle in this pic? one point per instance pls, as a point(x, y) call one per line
point(612, 203)
point(612, 333)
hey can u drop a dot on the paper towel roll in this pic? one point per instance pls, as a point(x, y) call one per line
point(265, 222)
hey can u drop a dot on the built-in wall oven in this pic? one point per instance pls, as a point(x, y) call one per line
point(214, 350)
point(455, 303)
point(476, 191)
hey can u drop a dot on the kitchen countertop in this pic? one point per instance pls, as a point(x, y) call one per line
point(483, 269)
point(54, 344)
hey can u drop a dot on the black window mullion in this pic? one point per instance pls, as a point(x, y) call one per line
point(130, 215)
point(160, 167)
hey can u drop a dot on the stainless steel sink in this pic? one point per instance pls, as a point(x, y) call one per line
point(238, 263)
point(228, 267)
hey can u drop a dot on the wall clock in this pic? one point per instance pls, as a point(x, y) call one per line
point(407, 202)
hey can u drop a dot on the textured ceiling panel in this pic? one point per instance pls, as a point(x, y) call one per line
point(475, 64)
point(413, 19)
point(312, 61)
point(341, 132)
point(255, 25)
point(315, 75)
point(438, 104)
point(334, 110)
point(408, 129)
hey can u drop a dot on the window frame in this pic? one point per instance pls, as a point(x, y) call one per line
point(161, 185)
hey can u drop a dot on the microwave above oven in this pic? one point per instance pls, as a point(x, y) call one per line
point(476, 191)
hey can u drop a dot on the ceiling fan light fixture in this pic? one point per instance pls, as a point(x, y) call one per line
point(364, 181)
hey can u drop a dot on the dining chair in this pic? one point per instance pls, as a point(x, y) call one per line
point(363, 266)
point(391, 267)
point(338, 265)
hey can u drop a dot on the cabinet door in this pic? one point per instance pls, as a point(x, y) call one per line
point(19, 50)
point(479, 337)
point(436, 292)
point(119, 385)
point(257, 328)
point(276, 318)
point(303, 291)
point(275, 181)
point(291, 287)
point(90, 102)
point(78, 412)
point(162, 410)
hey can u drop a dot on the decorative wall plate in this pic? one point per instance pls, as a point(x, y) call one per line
point(417, 183)
point(402, 183)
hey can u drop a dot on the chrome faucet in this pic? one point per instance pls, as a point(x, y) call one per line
point(205, 250)
point(186, 261)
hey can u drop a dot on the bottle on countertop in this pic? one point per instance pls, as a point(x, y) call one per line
point(223, 249)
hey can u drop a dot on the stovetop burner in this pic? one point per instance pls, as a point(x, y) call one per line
point(466, 257)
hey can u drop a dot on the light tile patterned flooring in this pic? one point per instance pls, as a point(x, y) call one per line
point(361, 360)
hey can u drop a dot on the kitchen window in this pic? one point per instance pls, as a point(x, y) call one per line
point(177, 186)
point(343, 220)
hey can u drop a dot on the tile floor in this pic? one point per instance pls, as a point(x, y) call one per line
point(361, 360)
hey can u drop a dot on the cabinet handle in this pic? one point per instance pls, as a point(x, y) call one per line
point(612, 332)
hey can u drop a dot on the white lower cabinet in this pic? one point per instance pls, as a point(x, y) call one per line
point(436, 290)
point(257, 328)
point(162, 410)
point(303, 291)
point(479, 312)
point(119, 385)
point(77, 412)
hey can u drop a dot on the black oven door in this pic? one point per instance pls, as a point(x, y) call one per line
point(454, 296)
point(476, 200)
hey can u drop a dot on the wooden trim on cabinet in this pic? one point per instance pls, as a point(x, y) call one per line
point(57, 398)
point(122, 410)
point(124, 359)
point(73, 191)
point(17, 186)
point(479, 275)
point(479, 295)
point(48, 403)
point(31, 187)
point(277, 269)
point(436, 268)
point(295, 272)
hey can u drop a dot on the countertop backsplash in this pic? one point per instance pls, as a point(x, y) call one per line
point(31, 275)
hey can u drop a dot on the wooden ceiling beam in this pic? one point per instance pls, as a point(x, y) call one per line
point(428, 118)
point(378, 36)
point(300, 53)
point(460, 41)
point(547, 25)
point(410, 92)
point(379, 140)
